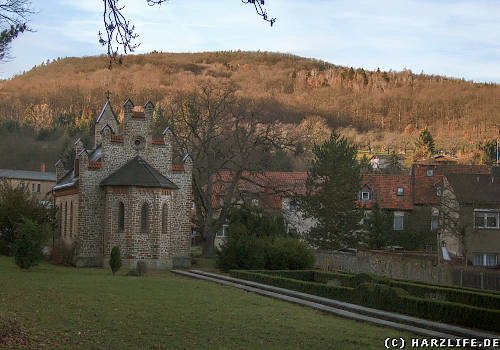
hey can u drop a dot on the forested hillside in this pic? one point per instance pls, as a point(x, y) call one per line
point(379, 110)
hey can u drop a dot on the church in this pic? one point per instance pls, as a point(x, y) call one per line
point(126, 191)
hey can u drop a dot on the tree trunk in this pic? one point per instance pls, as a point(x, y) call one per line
point(207, 247)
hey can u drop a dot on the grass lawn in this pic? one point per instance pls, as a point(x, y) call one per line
point(69, 308)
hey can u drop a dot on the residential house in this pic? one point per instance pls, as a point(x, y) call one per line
point(390, 192)
point(273, 191)
point(381, 162)
point(39, 183)
point(470, 216)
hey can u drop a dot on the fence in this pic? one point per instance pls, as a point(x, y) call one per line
point(417, 266)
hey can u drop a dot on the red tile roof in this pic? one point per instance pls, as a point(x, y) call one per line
point(425, 186)
point(177, 167)
point(384, 191)
point(117, 138)
point(158, 141)
point(271, 186)
point(138, 114)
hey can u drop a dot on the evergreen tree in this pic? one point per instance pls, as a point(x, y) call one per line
point(159, 121)
point(332, 188)
point(488, 152)
point(378, 225)
point(115, 260)
point(425, 144)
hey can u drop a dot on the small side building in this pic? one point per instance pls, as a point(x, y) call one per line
point(39, 183)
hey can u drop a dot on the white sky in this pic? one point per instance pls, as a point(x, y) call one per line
point(454, 38)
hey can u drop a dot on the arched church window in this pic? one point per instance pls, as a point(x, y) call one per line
point(144, 217)
point(121, 216)
point(164, 212)
point(60, 219)
point(65, 218)
point(71, 220)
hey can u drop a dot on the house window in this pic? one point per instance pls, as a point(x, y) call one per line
point(430, 172)
point(486, 219)
point(164, 213)
point(222, 232)
point(398, 220)
point(292, 205)
point(144, 217)
point(33, 187)
point(435, 219)
point(21, 185)
point(400, 191)
point(38, 188)
point(485, 259)
point(365, 196)
point(121, 216)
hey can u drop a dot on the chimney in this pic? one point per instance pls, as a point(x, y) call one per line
point(42, 168)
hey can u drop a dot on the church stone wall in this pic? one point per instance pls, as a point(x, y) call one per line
point(97, 210)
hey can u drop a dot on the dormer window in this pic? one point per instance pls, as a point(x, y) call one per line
point(430, 172)
point(365, 196)
point(400, 191)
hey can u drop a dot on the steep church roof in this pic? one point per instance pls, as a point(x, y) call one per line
point(107, 105)
point(137, 172)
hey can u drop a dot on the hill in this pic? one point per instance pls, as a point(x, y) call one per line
point(378, 109)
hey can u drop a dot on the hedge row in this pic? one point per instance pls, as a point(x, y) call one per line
point(488, 301)
point(319, 289)
point(386, 297)
point(443, 293)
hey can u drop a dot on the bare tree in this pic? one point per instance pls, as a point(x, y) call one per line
point(223, 134)
point(452, 226)
point(14, 15)
point(120, 33)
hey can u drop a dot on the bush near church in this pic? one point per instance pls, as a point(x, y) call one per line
point(29, 243)
point(256, 240)
point(16, 205)
point(115, 260)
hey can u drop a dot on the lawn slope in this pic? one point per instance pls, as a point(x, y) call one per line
point(68, 308)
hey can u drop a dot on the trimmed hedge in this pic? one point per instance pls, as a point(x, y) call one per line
point(488, 301)
point(319, 289)
point(384, 296)
point(442, 293)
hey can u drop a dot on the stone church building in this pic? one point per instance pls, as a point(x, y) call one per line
point(126, 192)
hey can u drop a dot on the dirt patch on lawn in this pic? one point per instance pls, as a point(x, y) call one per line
point(13, 333)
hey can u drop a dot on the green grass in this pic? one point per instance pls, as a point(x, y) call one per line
point(69, 308)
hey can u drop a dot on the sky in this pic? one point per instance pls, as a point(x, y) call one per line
point(453, 38)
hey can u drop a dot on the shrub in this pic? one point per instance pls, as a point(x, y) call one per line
point(141, 268)
point(60, 254)
point(244, 252)
point(115, 261)
point(289, 253)
point(252, 253)
point(29, 243)
point(17, 203)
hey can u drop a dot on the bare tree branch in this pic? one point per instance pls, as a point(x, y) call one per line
point(14, 15)
point(120, 34)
